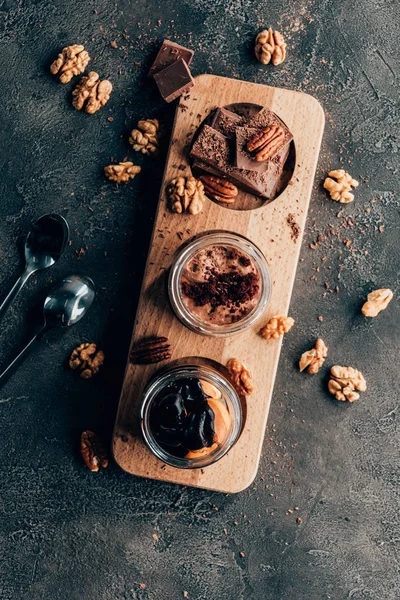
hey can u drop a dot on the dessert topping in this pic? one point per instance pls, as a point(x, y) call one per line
point(266, 142)
point(122, 172)
point(71, 61)
point(313, 359)
point(151, 350)
point(339, 190)
point(276, 327)
point(219, 188)
point(223, 289)
point(240, 376)
point(91, 94)
point(270, 45)
point(144, 139)
point(376, 301)
point(344, 381)
point(186, 195)
point(87, 359)
point(93, 451)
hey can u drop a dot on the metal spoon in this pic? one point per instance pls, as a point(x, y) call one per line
point(65, 305)
point(44, 245)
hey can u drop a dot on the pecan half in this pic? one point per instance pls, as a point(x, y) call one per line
point(266, 142)
point(93, 451)
point(151, 350)
point(219, 188)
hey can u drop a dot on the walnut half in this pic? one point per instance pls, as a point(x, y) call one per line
point(87, 359)
point(376, 301)
point(122, 172)
point(241, 377)
point(270, 46)
point(276, 327)
point(186, 194)
point(91, 94)
point(144, 139)
point(340, 189)
point(344, 381)
point(71, 61)
point(313, 359)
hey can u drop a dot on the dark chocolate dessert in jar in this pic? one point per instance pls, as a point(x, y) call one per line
point(190, 416)
point(219, 283)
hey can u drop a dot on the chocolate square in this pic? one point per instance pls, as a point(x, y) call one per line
point(168, 54)
point(226, 122)
point(174, 80)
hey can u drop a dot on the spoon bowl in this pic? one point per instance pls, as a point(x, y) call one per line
point(46, 242)
point(68, 301)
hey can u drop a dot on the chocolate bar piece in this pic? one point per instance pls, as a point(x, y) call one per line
point(168, 54)
point(244, 159)
point(212, 154)
point(226, 122)
point(174, 80)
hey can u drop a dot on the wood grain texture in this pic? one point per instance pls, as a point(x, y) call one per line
point(268, 228)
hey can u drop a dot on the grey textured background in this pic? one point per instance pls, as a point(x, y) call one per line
point(68, 534)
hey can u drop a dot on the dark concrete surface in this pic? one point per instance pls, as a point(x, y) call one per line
point(68, 534)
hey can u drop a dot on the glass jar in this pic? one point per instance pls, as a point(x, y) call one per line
point(190, 370)
point(219, 239)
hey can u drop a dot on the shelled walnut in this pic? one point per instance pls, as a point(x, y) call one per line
point(376, 301)
point(241, 377)
point(71, 61)
point(122, 172)
point(270, 46)
point(276, 327)
point(144, 139)
point(314, 358)
point(91, 94)
point(93, 452)
point(344, 381)
point(186, 195)
point(340, 190)
point(87, 359)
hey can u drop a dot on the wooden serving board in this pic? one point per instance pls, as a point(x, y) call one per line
point(267, 226)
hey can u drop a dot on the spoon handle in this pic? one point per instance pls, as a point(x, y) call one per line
point(14, 292)
point(18, 359)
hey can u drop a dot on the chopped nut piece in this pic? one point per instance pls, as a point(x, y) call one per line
point(219, 189)
point(186, 194)
point(270, 45)
point(87, 359)
point(276, 327)
point(151, 350)
point(240, 376)
point(145, 138)
point(314, 358)
point(122, 172)
point(93, 452)
point(71, 61)
point(377, 301)
point(91, 94)
point(340, 189)
point(344, 381)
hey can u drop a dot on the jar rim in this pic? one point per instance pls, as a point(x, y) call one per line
point(187, 251)
point(206, 373)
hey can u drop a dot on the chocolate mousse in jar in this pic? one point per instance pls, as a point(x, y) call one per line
point(190, 414)
point(219, 283)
